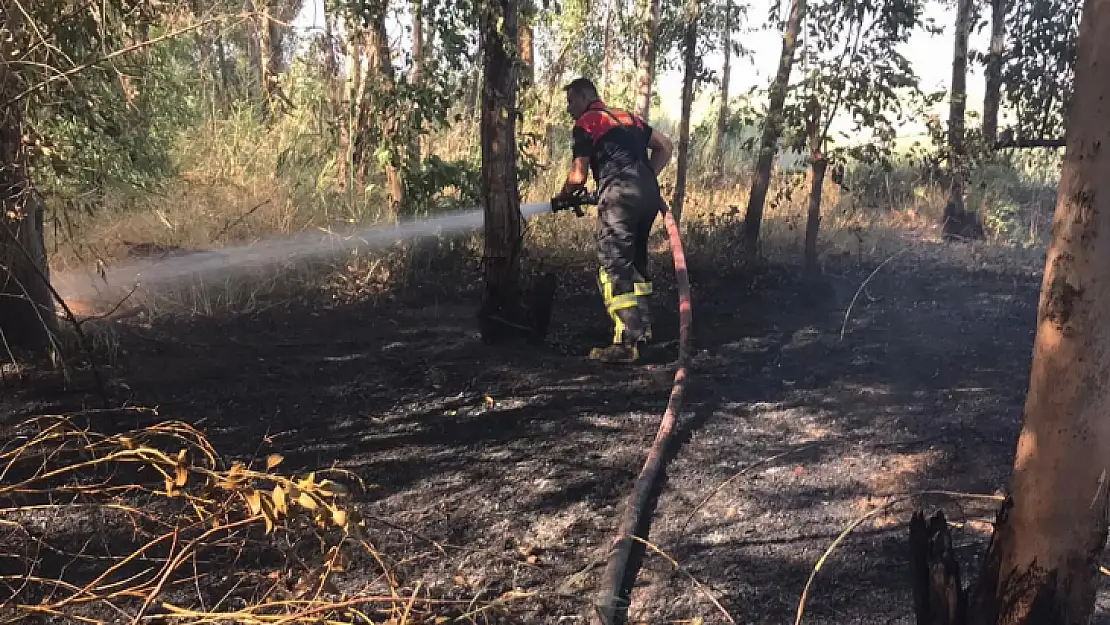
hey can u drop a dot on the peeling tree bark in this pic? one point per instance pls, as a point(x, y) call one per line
point(1042, 564)
point(27, 316)
point(772, 130)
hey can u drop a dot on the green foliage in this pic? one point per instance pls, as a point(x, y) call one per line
point(116, 122)
point(850, 64)
point(1039, 64)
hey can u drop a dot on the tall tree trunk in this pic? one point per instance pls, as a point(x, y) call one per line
point(772, 130)
point(26, 307)
point(646, 72)
point(722, 110)
point(606, 47)
point(690, 54)
point(994, 72)
point(380, 72)
point(958, 222)
point(275, 47)
point(474, 92)
point(206, 52)
point(1042, 564)
point(526, 43)
point(818, 165)
point(350, 107)
point(501, 196)
point(417, 72)
point(258, 51)
point(227, 78)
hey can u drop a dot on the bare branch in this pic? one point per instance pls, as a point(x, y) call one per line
point(114, 55)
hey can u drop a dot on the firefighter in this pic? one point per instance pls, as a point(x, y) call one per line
point(614, 145)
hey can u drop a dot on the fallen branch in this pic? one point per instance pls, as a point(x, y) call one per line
point(844, 326)
point(193, 509)
point(690, 575)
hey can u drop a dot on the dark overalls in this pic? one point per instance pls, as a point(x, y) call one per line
point(629, 199)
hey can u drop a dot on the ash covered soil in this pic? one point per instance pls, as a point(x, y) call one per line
point(516, 461)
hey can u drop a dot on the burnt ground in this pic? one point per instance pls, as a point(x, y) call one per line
point(500, 453)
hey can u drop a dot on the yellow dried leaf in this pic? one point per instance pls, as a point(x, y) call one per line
point(329, 488)
point(273, 460)
point(268, 515)
point(182, 475)
point(254, 502)
point(169, 487)
point(181, 456)
point(339, 517)
point(279, 499)
point(306, 501)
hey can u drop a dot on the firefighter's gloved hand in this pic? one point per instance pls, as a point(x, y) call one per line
point(569, 197)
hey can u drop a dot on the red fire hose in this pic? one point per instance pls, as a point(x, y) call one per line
point(620, 571)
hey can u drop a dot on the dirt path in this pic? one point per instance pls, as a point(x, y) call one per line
point(515, 460)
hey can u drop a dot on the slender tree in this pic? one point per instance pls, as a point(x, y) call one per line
point(853, 67)
point(772, 130)
point(648, 52)
point(993, 92)
point(722, 107)
point(958, 221)
point(691, 16)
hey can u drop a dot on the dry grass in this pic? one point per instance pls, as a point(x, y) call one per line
point(241, 185)
point(151, 525)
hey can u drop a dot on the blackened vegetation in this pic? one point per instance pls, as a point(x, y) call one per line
point(998, 597)
point(1061, 303)
point(938, 595)
point(523, 314)
point(961, 224)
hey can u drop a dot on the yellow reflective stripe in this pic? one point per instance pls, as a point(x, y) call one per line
point(603, 276)
point(642, 288)
point(606, 285)
point(620, 302)
point(618, 330)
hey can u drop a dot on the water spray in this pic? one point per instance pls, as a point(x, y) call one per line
point(110, 284)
